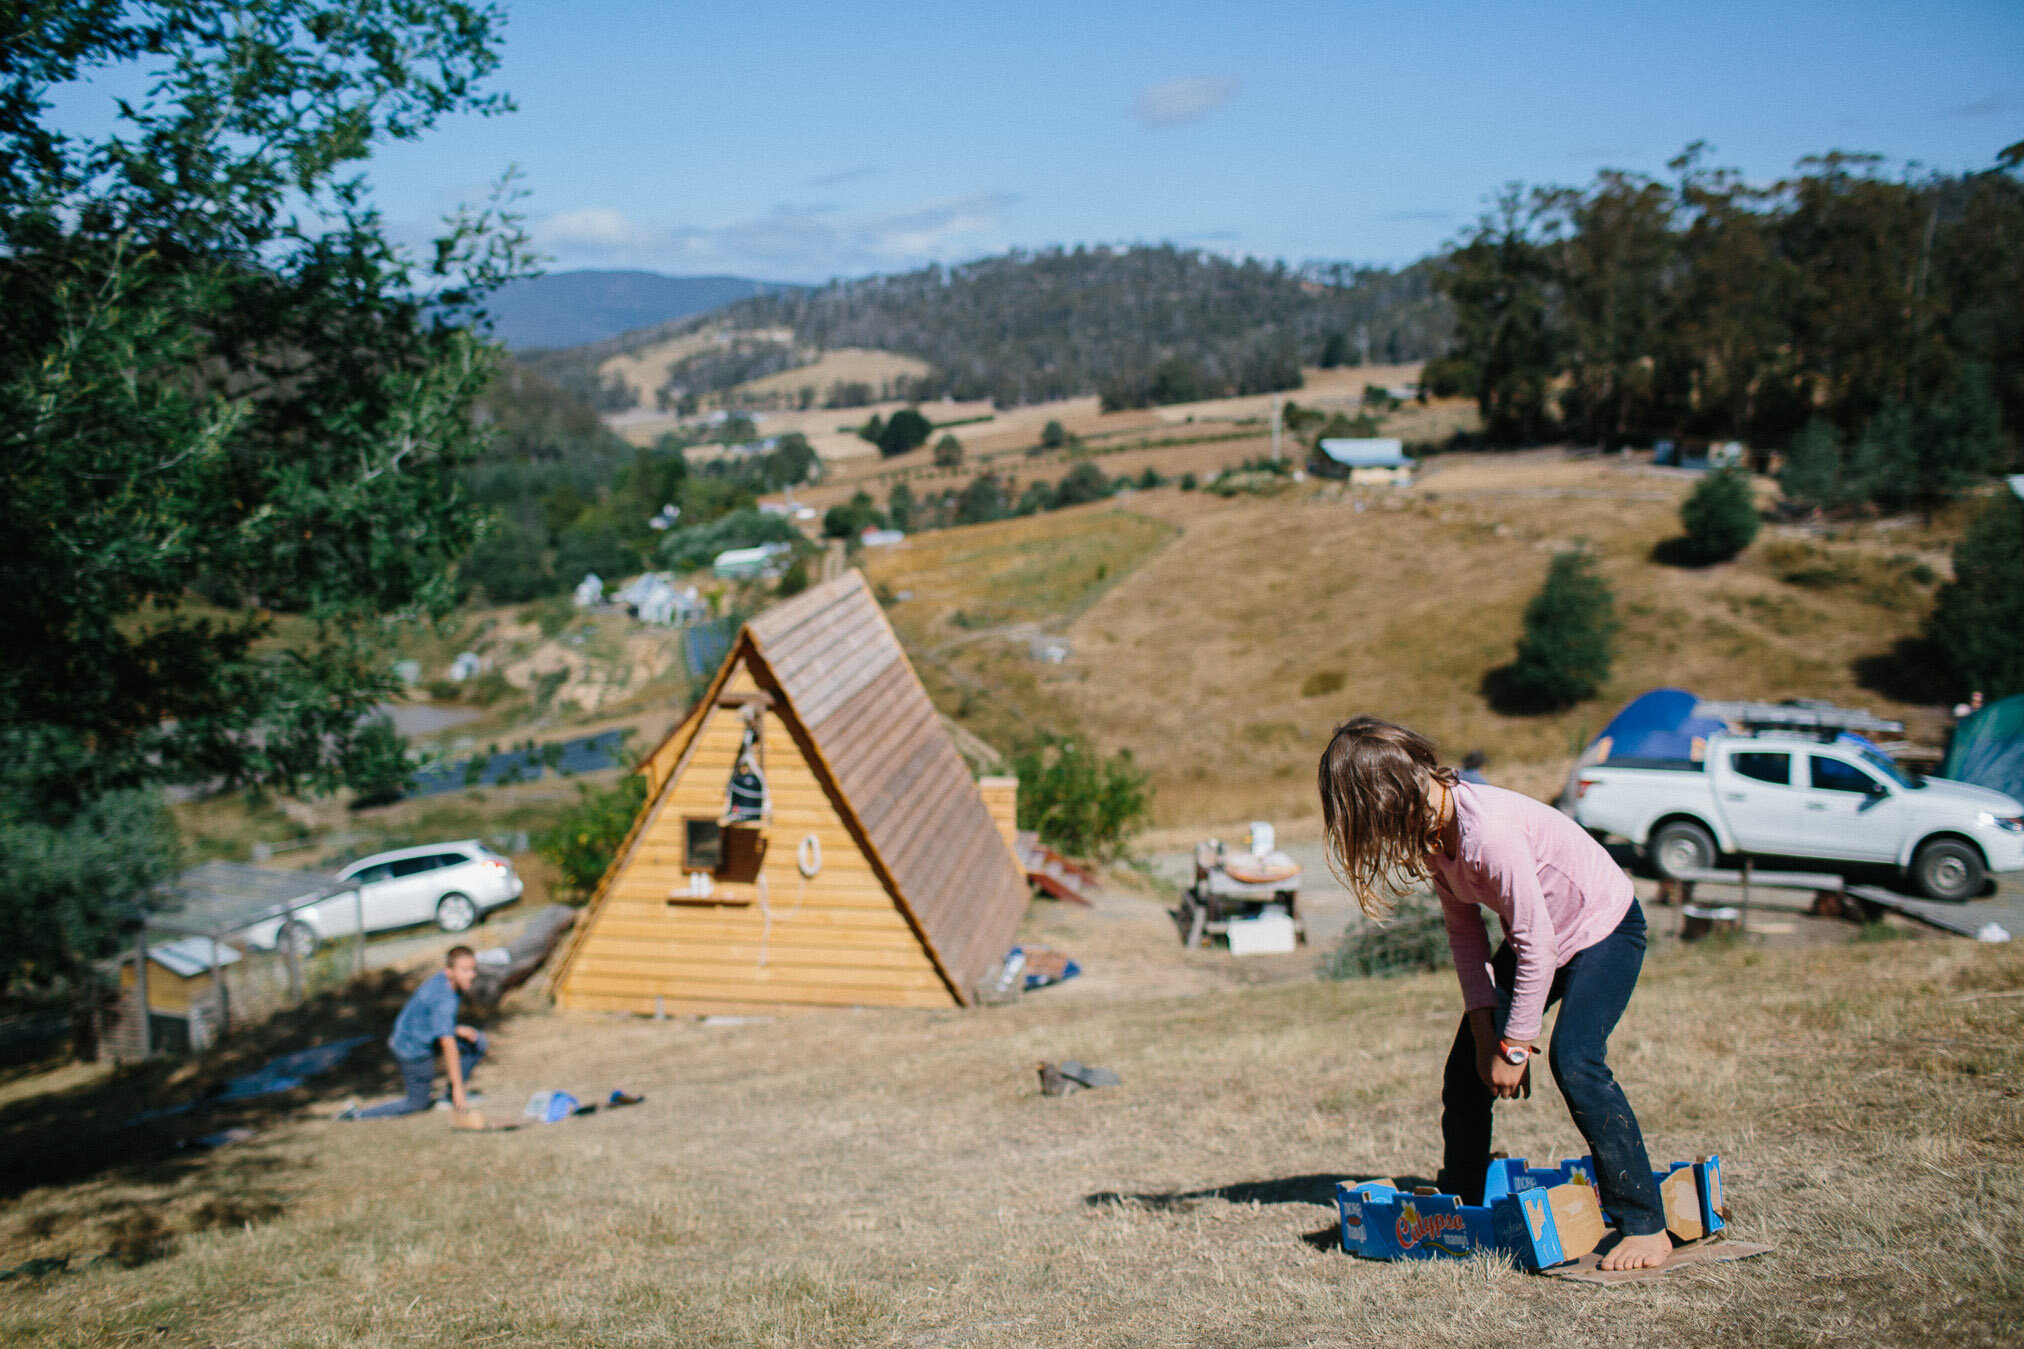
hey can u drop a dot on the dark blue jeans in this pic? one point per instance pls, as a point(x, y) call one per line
point(1592, 990)
point(418, 1077)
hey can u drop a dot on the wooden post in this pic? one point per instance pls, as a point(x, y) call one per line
point(291, 956)
point(218, 990)
point(1743, 923)
point(358, 909)
point(141, 989)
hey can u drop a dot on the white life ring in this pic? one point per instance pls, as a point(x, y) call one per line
point(808, 857)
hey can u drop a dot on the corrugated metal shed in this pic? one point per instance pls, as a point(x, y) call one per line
point(1377, 452)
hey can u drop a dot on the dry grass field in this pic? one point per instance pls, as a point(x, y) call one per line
point(847, 365)
point(896, 1179)
point(1225, 658)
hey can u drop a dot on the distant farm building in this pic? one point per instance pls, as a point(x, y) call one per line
point(811, 837)
point(744, 564)
point(1380, 461)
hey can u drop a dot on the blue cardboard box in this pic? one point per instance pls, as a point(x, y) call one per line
point(1382, 1222)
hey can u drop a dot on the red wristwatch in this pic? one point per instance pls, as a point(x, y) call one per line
point(1514, 1053)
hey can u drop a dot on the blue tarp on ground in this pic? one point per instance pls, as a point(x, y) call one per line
point(587, 754)
point(1988, 748)
point(1658, 726)
point(705, 645)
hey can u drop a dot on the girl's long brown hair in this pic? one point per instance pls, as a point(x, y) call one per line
point(1374, 805)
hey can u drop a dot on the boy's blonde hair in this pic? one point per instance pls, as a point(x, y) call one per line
point(1374, 806)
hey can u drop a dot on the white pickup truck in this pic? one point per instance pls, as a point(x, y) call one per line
point(1780, 794)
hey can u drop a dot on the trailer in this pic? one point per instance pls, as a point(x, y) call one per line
point(1249, 898)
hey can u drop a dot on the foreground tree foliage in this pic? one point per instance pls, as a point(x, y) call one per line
point(217, 377)
point(1889, 310)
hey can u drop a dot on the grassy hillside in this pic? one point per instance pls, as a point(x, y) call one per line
point(896, 1179)
point(1226, 656)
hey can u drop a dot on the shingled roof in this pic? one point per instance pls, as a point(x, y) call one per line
point(844, 682)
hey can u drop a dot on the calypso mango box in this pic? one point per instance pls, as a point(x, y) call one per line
point(1382, 1222)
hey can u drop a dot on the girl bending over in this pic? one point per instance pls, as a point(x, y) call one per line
point(1573, 934)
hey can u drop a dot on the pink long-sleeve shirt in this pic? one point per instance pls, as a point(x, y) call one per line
point(1553, 887)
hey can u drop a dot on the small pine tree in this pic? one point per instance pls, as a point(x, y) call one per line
point(1978, 619)
point(900, 507)
point(1053, 435)
point(1812, 475)
point(948, 451)
point(1720, 517)
point(1569, 641)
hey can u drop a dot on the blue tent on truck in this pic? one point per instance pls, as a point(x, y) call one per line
point(1654, 730)
point(1988, 748)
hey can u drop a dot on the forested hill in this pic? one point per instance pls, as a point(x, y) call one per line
point(1147, 324)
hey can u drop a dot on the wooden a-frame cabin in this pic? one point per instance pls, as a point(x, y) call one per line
point(866, 869)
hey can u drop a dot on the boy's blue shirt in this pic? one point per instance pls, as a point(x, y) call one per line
point(429, 1015)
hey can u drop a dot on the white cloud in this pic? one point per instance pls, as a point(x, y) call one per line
point(788, 243)
point(1175, 102)
point(592, 227)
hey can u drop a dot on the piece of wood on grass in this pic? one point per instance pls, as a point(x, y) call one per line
point(1683, 1205)
point(1577, 1217)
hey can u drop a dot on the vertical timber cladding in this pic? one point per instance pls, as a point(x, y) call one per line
point(916, 896)
point(834, 939)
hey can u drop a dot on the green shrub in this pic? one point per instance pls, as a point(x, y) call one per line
point(584, 841)
point(1412, 940)
point(1084, 482)
point(507, 564)
point(908, 430)
point(1978, 617)
point(948, 451)
point(853, 518)
point(1569, 641)
point(1082, 805)
point(1720, 517)
point(377, 766)
point(1322, 682)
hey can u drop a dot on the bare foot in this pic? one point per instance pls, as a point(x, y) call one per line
point(1639, 1252)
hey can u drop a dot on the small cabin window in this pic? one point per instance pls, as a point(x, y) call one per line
point(1764, 767)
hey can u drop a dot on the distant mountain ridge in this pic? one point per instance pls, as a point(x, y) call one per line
point(570, 309)
point(1138, 325)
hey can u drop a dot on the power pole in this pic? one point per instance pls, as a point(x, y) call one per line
point(1278, 416)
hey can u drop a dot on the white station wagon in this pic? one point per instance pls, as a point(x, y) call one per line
point(452, 885)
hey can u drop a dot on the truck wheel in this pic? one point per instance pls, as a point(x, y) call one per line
point(1681, 846)
point(1948, 870)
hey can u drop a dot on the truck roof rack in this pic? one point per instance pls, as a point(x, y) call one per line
point(1799, 714)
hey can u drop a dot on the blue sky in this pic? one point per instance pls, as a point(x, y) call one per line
point(804, 141)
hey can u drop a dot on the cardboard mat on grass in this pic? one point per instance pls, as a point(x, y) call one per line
point(1585, 1269)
